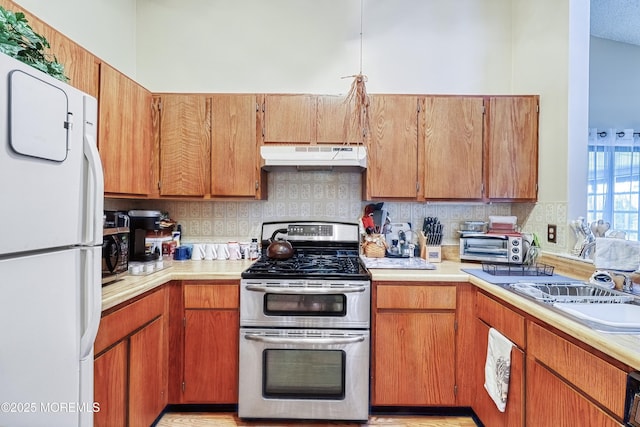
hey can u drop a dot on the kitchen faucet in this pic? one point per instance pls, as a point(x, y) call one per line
point(627, 285)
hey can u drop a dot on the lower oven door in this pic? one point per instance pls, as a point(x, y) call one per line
point(304, 374)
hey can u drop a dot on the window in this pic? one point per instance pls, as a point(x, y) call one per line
point(614, 179)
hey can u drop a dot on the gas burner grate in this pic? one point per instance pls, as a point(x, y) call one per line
point(308, 264)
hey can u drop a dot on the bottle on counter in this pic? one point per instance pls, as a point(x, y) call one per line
point(253, 249)
point(177, 234)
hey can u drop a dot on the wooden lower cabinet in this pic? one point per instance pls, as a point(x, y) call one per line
point(130, 369)
point(484, 406)
point(582, 387)
point(554, 380)
point(110, 390)
point(147, 374)
point(211, 325)
point(493, 314)
point(553, 402)
point(414, 345)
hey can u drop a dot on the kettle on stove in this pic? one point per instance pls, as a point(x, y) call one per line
point(279, 249)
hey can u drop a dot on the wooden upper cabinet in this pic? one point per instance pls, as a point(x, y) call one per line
point(185, 145)
point(511, 153)
point(124, 134)
point(288, 119)
point(234, 147)
point(80, 66)
point(392, 170)
point(452, 143)
point(336, 121)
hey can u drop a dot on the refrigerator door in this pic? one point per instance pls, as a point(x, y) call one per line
point(43, 337)
point(46, 178)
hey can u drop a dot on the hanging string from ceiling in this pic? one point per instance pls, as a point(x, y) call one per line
point(357, 99)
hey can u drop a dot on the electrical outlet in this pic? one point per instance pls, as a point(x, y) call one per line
point(552, 236)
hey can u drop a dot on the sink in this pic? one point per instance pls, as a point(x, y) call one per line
point(623, 318)
point(602, 309)
point(570, 292)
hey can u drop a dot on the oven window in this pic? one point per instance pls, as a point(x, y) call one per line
point(305, 305)
point(303, 374)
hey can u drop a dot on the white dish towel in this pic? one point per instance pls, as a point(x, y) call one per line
point(497, 368)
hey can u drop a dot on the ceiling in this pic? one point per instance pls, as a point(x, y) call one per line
point(617, 20)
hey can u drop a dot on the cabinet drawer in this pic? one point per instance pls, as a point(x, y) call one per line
point(123, 322)
point(595, 377)
point(416, 297)
point(212, 295)
point(506, 321)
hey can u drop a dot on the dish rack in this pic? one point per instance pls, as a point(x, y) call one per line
point(517, 270)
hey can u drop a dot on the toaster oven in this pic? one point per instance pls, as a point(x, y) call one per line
point(495, 248)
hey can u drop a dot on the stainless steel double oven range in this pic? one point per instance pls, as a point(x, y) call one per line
point(304, 326)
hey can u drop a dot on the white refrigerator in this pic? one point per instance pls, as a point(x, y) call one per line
point(51, 206)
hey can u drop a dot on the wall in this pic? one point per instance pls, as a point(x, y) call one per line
point(550, 57)
point(408, 46)
point(107, 28)
point(307, 46)
point(615, 95)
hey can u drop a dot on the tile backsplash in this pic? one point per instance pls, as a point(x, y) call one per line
point(335, 196)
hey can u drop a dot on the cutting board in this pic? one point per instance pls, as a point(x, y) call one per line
point(414, 263)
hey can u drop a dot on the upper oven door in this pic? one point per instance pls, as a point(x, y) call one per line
point(309, 304)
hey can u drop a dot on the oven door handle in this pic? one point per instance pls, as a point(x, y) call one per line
point(304, 291)
point(296, 340)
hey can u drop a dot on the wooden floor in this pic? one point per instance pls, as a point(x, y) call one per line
point(196, 419)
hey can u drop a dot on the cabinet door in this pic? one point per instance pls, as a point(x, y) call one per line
point(147, 374)
point(211, 356)
point(336, 121)
point(414, 359)
point(392, 170)
point(110, 387)
point(80, 65)
point(288, 119)
point(453, 147)
point(511, 154)
point(484, 406)
point(185, 145)
point(124, 138)
point(550, 401)
point(234, 146)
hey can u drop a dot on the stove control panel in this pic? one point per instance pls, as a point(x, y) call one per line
point(310, 230)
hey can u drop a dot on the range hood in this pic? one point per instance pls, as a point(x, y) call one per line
point(314, 157)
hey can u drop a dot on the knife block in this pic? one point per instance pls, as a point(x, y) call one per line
point(429, 253)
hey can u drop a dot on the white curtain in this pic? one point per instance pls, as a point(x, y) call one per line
point(614, 177)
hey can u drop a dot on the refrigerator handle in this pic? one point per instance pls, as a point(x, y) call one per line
point(92, 302)
point(95, 182)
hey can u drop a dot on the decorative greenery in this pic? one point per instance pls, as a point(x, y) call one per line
point(18, 40)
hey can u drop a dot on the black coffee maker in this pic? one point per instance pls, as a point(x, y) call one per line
point(140, 223)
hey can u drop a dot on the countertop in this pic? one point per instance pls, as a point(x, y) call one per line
point(131, 286)
point(625, 348)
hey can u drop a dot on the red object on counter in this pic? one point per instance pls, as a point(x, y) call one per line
point(367, 221)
